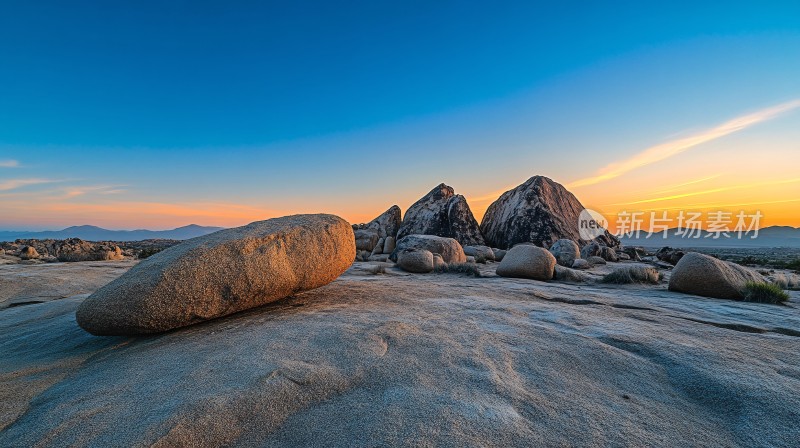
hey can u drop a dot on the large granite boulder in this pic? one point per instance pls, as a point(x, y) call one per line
point(704, 275)
point(448, 248)
point(441, 212)
point(540, 211)
point(565, 251)
point(418, 261)
point(220, 274)
point(528, 261)
point(386, 224)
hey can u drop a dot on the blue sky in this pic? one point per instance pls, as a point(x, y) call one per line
point(268, 108)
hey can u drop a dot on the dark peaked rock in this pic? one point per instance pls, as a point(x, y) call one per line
point(540, 211)
point(441, 212)
point(386, 224)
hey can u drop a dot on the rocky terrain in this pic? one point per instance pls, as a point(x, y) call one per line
point(415, 359)
point(271, 335)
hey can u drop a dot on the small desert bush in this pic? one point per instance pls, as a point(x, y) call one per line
point(377, 269)
point(459, 268)
point(764, 293)
point(633, 274)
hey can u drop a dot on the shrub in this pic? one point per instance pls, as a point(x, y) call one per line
point(764, 293)
point(377, 269)
point(459, 268)
point(633, 274)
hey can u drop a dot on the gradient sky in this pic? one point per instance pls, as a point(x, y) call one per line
point(160, 114)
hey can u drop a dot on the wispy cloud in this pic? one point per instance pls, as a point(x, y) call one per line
point(9, 164)
point(13, 184)
point(674, 147)
point(715, 190)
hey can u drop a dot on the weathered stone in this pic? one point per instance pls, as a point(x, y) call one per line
point(565, 251)
point(594, 259)
point(388, 245)
point(704, 275)
point(366, 239)
point(441, 212)
point(499, 254)
point(527, 261)
point(438, 262)
point(566, 274)
point(580, 263)
point(386, 224)
point(540, 211)
point(448, 248)
point(220, 274)
point(670, 255)
point(590, 250)
point(482, 254)
point(418, 261)
point(28, 253)
point(378, 249)
point(608, 254)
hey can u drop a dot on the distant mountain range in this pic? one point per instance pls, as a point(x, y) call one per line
point(775, 236)
point(93, 233)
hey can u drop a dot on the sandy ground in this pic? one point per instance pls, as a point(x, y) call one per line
point(423, 360)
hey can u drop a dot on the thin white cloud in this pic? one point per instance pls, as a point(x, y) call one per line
point(9, 164)
point(13, 184)
point(672, 148)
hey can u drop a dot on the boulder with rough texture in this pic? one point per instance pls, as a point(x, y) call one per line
point(378, 249)
point(438, 262)
point(608, 254)
point(634, 253)
point(28, 253)
point(566, 274)
point(704, 275)
point(580, 263)
point(220, 274)
point(527, 261)
point(594, 259)
point(366, 239)
point(591, 250)
point(418, 261)
point(565, 251)
point(388, 245)
point(622, 256)
point(540, 211)
point(386, 224)
point(441, 212)
point(481, 253)
point(448, 248)
point(670, 255)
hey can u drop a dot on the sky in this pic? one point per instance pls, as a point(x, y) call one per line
point(161, 114)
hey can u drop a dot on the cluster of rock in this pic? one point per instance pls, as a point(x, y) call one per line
point(377, 237)
point(540, 212)
point(72, 249)
point(220, 274)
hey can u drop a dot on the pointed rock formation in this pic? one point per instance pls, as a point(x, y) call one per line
point(386, 224)
point(540, 211)
point(441, 212)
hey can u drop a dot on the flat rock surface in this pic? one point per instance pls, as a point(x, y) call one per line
point(415, 359)
point(22, 284)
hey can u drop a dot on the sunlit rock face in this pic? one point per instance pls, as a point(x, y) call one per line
point(441, 212)
point(539, 211)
